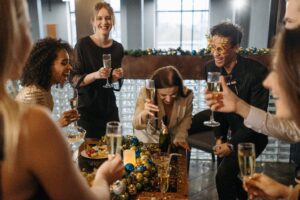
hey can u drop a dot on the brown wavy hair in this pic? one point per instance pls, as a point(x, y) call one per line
point(286, 58)
point(169, 76)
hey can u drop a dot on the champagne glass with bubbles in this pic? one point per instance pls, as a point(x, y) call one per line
point(114, 137)
point(75, 137)
point(214, 87)
point(150, 90)
point(246, 157)
point(106, 58)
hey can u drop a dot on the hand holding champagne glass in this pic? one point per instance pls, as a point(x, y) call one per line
point(114, 137)
point(106, 58)
point(214, 87)
point(246, 157)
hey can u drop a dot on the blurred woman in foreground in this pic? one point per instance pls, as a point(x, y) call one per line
point(35, 160)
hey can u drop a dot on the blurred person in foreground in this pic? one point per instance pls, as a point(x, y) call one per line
point(35, 160)
point(48, 64)
point(283, 80)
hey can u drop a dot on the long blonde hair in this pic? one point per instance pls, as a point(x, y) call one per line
point(11, 11)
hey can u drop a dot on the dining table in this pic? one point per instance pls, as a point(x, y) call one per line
point(178, 187)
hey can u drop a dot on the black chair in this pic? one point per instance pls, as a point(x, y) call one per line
point(204, 141)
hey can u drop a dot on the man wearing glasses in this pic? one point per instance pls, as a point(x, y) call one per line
point(244, 76)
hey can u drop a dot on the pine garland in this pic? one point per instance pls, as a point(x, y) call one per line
point(201, 52)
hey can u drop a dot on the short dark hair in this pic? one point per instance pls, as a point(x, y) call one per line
point(168, 76)
point(38, 68)
point(229, 30)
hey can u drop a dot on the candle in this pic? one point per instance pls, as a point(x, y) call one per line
point(129, 156)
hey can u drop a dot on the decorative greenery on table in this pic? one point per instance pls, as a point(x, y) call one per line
point(201, 52)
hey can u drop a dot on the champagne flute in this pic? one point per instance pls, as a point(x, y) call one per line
point(246, 157)
point(74, 102)
point(114, 137)
point(214, 87)
point(162, 161)
point(106, 58)
point(75, 137)
point(150, 88)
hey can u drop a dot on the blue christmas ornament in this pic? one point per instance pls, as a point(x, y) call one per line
point(137, 153)
point(129, 167)
point(151, 162)
point(134, 141)
point(140, 168)
point(194, 52)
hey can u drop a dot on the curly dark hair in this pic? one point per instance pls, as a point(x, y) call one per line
point(38, 68)
point(229, 30)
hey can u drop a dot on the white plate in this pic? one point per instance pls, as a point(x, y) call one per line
point(84, 154)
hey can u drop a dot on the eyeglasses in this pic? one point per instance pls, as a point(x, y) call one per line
point(220, 50)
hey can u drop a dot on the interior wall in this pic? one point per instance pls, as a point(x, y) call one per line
point(56, 12)
point(149, 23)
point(133, 25)
point(83, 13)
point(255, 21)
point(48, 12)
point(33, 8)
point(253, 18)
point(259, 23)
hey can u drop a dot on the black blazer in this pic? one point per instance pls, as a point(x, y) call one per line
point(246, 81)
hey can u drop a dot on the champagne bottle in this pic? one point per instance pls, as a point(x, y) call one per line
point(164, 136)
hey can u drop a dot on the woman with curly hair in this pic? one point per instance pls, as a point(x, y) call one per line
point(48, 64)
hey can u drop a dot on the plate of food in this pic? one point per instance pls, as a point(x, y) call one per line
point(95, 152)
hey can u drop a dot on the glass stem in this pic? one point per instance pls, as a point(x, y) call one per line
point(212, 116)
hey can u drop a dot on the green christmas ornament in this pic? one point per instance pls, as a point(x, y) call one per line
point(139, 186)
point(146, 173)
